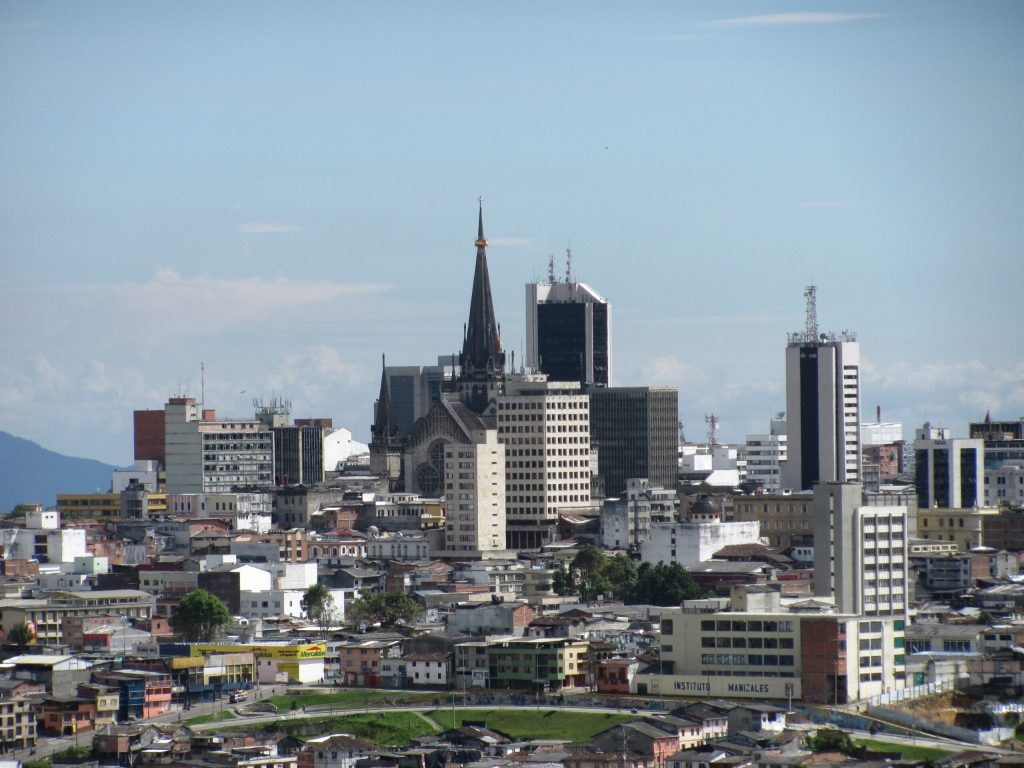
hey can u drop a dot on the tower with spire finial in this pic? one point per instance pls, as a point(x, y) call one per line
point(385, 443)
point(482, 362)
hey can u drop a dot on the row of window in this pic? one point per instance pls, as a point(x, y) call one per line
point(745, 659)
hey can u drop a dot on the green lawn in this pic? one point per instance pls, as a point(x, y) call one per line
point(526, 723)
point(348, 699)
point(385, 729)
point(227, 714)
point(909, 751)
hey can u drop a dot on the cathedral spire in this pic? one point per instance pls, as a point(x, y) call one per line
point(383, 419)
point(482, 357)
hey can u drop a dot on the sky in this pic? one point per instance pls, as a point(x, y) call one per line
point(278, 193)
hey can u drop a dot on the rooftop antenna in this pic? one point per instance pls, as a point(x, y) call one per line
point(682, 433)
point(712, 422)
point(811, 330)
point(551, 268)
point(568, 265)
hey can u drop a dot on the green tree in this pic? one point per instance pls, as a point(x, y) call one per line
point(385, 608)
point(20, 634)
point(984, 617)
point(663, 585)
point(588, 566)
point(562, 582)
point(621, 571)
point(319, 607)
point(199, 616)
point(20, 510)
point(831, 740)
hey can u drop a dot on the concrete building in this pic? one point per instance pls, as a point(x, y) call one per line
point(568, 332)
point(687, 543)
point(204, 455)
point(860, 552)
point(786, 519)
point(763, 456)
point(47, 616)
point(1004, 440)
point(949, 471)
point(1004, 485)
point(822, 405)
point(626, 521)
point(759, 650)
point(636, 433)
point(545, 428)
point(415, 389)
point(42, 539)
point(144, 472)
point(965, 527)
point(475, 496)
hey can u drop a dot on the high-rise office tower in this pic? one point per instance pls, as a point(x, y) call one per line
point(205, 455)
point(822, 405)
point(415, 389)
point(636, 431)
point(568, 331)
point(860, 552)
point(545, 427)
point(950, 472)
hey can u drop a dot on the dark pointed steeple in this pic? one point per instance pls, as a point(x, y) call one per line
point(383, 419)
point(482, 357)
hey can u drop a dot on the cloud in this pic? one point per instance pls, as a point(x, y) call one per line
point(171, 303)
point(793, 18)
point(267, 228)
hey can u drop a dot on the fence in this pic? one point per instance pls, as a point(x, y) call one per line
point(912, 692)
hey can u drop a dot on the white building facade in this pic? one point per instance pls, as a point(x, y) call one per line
point(475, 496)
point(545, 428)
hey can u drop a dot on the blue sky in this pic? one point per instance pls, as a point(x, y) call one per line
point(284, 191)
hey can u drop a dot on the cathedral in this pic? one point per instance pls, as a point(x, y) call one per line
point(415, 464)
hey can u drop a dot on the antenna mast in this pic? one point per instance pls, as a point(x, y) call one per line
point(712, 422)
point(551, 268)
point(811, 329)
point(568, 265)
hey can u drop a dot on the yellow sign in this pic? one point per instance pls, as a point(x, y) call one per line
point(309, 651)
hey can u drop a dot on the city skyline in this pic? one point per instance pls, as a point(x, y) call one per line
point(283, 195)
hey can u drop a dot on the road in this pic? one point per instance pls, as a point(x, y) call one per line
point(49, 745)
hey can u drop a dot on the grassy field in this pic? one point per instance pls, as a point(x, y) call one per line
point(350, 699)
point(227, 714)
point(385, 729)
point(909, 751)
point(526, 723)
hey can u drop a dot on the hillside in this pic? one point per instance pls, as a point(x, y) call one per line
point(30, 473)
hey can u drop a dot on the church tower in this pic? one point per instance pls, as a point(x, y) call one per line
point(385, 444)
point(482, 362)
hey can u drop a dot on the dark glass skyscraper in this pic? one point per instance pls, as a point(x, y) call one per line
point(568, 332)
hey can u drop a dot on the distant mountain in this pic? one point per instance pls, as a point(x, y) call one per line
point(30, 473)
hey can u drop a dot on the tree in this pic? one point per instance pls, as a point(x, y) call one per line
point(385, 608)
point(562, 582)
point(622, 573)
point(319, 607)
point(588, 566)
point(984, 617)
point(20, 634)
point(831, 740)
point(199, 616)
point(663, 585)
